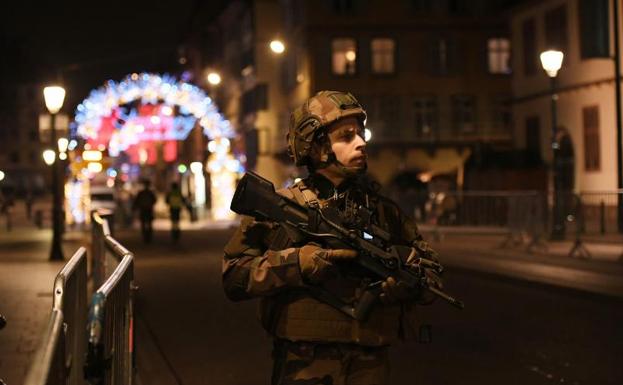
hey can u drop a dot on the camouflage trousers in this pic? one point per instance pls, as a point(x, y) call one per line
point(305, 363)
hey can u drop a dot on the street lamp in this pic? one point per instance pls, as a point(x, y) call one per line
point(551, 61)
point(214, 78)
point(277, 46)
point(54, 97)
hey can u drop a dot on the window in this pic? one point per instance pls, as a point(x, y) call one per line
point(444, 56)
point(533, 135)
point(384, 115)
point(529, 47)
point(502, 113)
point(464, 113)
point(425, 118)
point(342, 6)
point(389, 110)
point(499, 53)
point(556, 29)
point(383, 55)
point(421, 5)
point(594, 28)
point(590, 121)
point(459, 7)
point(255, 99)
point(344, 56)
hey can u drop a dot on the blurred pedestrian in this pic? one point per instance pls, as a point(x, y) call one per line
point(29, 199)
point(5, 209)
point(176, 201)
point(144, 203)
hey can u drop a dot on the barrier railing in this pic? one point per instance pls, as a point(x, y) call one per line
point(60, 356)
point(103, 263)
point(600, 211)
point(110, 356)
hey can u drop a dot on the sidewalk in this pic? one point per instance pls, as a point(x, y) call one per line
point(490, 251)
point(26, 282)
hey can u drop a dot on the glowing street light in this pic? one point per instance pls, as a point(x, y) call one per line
point(49, 156)
point(54, 97)
point(63, 143)
point(277, 46)
point(367, 135)
point(214, 78)
point(350, 55)
point(1, 175)
point(551, 61)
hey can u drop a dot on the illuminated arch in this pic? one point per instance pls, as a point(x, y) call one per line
point(149, 89)
point(103, 119)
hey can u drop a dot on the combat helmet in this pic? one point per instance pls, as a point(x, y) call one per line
point(316, 113)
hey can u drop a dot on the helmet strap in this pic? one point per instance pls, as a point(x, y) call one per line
point(347, 172)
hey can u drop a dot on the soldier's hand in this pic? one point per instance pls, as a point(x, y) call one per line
point(316, 262)
point(431, 272)
point(395, 291)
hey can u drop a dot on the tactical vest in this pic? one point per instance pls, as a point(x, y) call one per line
point(298, 317)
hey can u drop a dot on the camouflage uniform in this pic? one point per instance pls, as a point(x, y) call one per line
point(314, 342)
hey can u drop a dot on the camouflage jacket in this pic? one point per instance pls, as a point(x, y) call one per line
point(260, 262)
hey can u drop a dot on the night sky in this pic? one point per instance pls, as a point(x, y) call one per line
point(85, 43)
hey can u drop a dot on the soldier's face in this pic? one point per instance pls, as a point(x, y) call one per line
point(346, 138)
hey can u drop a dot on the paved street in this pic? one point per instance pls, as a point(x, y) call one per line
point(529, 319)
point(511, 332)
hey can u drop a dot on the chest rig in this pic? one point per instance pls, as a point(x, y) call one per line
point(302, 318)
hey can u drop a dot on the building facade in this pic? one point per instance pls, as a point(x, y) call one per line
point(434, 77)
point(586, 108)
point(22, 142)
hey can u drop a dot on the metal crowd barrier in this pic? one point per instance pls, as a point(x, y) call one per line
point(600, 211)
point(527, 216)
point(100, 348)
point(60, 356)
point(110, 355)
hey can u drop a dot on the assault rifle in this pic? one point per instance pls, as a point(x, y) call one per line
point(256, 197)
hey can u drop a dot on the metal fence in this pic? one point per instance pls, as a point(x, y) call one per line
point(98, 348)
point(527, 215)
point(600, 211)
point(60, 357)
point(110, 356)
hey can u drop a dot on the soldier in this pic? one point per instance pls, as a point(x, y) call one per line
point(313, 342)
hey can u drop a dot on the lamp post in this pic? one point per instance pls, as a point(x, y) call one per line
point(551, 61)
point(54, 97)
